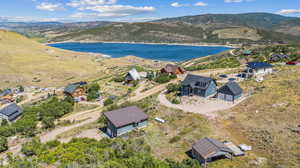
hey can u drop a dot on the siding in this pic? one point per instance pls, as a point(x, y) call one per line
point(123, 130)
point(212, 89)
point(227, 97)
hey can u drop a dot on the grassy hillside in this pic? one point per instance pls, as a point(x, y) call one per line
point(220, 29)
point(26, 62)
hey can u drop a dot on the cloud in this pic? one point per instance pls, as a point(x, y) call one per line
point(177, 4)
point(201, 4)
point(237, 1)
point(288, 11)
point(80, 3)
point(49, 6)
point(111, 11)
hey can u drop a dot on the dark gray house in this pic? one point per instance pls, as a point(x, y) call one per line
point(198, 85)
point(231, 91)
point(208, 150)
point(124, 120)
point(10, 112)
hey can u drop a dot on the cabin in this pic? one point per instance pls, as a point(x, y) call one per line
point(172, 69)
point(208, 150)
point(10, 111)
point(7, 95)
point(278, 57)
point(198, 85)
point(231, 91)
point(258, 69)
point(75, 89)
point(247, 52)
point(122, 121)
point(132, 75)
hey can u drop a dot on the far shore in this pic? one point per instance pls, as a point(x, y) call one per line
point(178, 44)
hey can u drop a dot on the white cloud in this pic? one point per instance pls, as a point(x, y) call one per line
point(80, 3)
point(232, 1)
point(288, 11)
point(49, 6)
point(112, 11)
point(201, 4)
point(177, 4)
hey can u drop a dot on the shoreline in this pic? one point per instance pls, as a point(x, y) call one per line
point(171, 44)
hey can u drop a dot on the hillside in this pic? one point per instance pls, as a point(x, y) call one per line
point(26, 62)
point(212, 28)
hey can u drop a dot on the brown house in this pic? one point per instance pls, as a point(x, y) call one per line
point(172, 69)
point(7, 95)
point(75, 90)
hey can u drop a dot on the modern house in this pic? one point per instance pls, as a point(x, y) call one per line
point(231, 91)
point(10, 112)
point(124, 120)
point(258, 69)
point(198, 86)
point(132, 75)
point(278, 57)
point(208, 150)
point(172, 69)
point(7, 95)
point(75, 89)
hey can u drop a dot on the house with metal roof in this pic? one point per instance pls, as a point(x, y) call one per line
point(7, 95)
point(231, 91)
point(10, 112)
point(172, 69)
point(132, 75)
point(198, 86)
point(258, 69)
point(124, 120)
point(208, 150)
point(279, 57)
point(75, 89)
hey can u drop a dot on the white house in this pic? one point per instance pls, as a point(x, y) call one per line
point(257, 69)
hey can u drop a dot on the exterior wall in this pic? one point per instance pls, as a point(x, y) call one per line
point(4, 117)
point(197, 156)
point(212, 89)
point(227, 97)
point(78, 92)
point(123, 130)
point(259, 71)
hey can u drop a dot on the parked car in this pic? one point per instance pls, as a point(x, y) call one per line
point(232, 79)
point(223, 76)
point(292, 63)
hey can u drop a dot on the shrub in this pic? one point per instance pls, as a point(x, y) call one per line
point(93, 91)
point(175, 139)
point(173, 87)
point(3, 144)
point(108, 102)
point(164, 78)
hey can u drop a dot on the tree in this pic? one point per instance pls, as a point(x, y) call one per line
point(3, 144)
point(108, 102)
point(173, 87)
point(32, 148)
point(93, 91)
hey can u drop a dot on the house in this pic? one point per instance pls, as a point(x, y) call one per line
point(231, 91)
point(278, 57)
point(208, 150)
point(75, 89)
point(258, 69)
point(198, 85)
point(10, 112)
point(247, 52)
point(124, 120)
point(132, 75)
point(7, 95)
point(172, 69)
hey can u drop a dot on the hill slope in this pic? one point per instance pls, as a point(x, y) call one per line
point(211, 28)
point(22, 59)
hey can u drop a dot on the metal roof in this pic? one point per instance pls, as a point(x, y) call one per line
point(12, 111)
point(71, 88)
point(126, 116)
point(197, 81)
point(134, 74)
point(231, 88)
point(207, 147)
point(258, 65)
point(6, 92)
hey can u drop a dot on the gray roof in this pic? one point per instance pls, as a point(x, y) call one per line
point(71, 88)
point(6, 92)
point(258, 65)
point(134, 74)
point(231, 88)
point(197, 81)
point(126, 116)
point(208, 147)
point(12, 111)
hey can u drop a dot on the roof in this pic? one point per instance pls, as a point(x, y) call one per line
point(171, 68)
point(247, 52)
point(6, 92)
point(12, 111)
point(134, 74)
point(207, 147)
point(276, 57)
point(197, 81)
point(258, 65)
point(126, 116)
point(231, 88)
point(71, 88)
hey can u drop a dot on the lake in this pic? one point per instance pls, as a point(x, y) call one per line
point(161, 52)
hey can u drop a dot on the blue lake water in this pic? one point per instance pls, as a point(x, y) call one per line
point(162, 52)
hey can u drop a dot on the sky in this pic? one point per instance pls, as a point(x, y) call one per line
point(135, 10)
